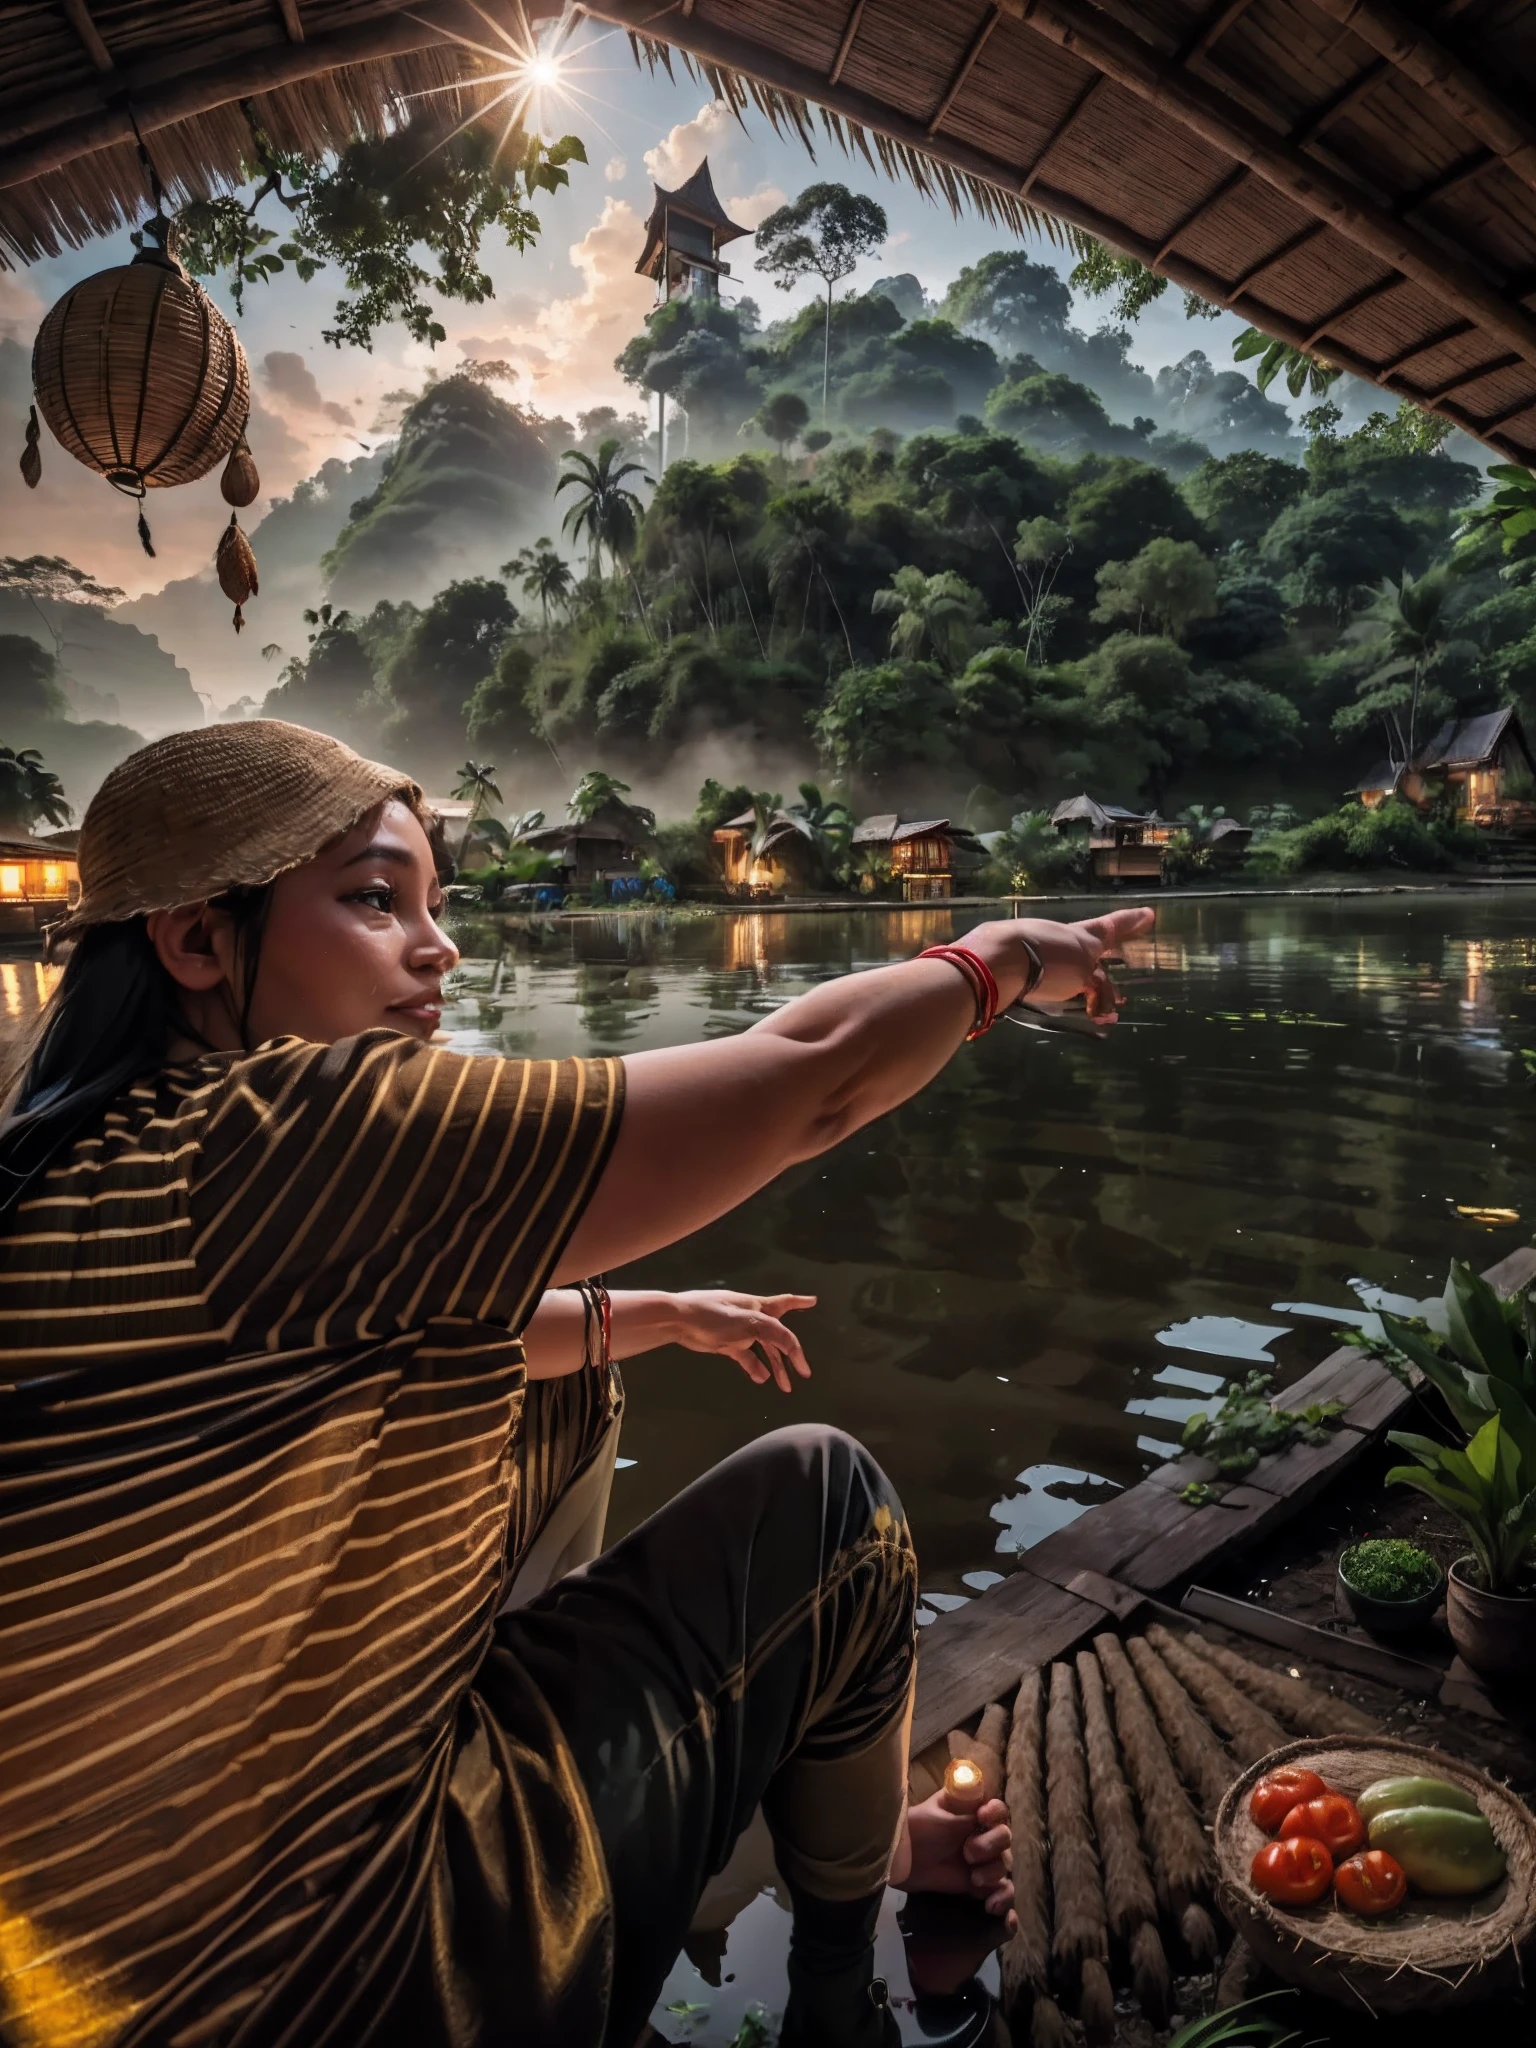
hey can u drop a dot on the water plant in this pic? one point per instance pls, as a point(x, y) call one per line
point(1249, 1426)
point(1386, 1568)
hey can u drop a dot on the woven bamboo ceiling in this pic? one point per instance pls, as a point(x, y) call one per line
point(1353, 179)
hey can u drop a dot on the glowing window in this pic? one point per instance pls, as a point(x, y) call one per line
point(53, 876)
point(10, 881)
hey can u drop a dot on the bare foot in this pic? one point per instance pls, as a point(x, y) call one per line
point(970, 1854)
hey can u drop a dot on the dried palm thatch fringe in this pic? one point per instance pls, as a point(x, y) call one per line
point(1205, 1765)
point(1303, 1708)
point(1026, 1957)
point(795, 118)
point(1096, 2004)
point(1251, 1731)
point(1200, 1937)
point(1179, 1853)
point(1049, 2026)
point(1079, 1928)
point(1129, 1897)
point(1151, 1978)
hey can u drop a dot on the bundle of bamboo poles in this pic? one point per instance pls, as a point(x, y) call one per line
point(1113, 1765)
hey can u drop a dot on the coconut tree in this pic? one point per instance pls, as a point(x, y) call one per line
point(542, 572)
point(605, 508)
point(936, 616)
point(595, 791)
point(30, 793)
point(1406, 622)
point(476, 787)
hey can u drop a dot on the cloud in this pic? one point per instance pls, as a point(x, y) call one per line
point(677, 155)
point(291, 381)
point(615, 171)
point(21, 309)
point(751, 209)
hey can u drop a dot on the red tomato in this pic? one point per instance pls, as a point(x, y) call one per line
point(1371, 1884)
point(1277, 1792)
point(1332, 1820)
point(1293, 1872)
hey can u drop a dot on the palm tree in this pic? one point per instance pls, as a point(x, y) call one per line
point(827, 823)
point(1407, 622)
point(606, 509)
point(29, 792)
point(597, 789)
point(935, 615)
point(542, 572)
point(476, 786)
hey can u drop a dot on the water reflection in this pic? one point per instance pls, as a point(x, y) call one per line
point(1005, 1265)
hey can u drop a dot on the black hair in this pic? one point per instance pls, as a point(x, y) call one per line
point(110, 1021)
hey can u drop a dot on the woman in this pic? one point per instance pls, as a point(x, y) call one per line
point(271, 1769)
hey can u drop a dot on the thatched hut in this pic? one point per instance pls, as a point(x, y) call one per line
point(607, 846)
point(926, 855)
point(1483, 765)
point(38, 882)
point(1124, 846)
point(757, 864)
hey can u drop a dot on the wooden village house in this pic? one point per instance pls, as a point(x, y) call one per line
point(925, 854)
point(1123, 846)
point(783, 862)
point(1483, 765)
point(606, 847)
point(39, 880)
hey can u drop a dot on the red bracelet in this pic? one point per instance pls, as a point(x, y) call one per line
point(979, 975)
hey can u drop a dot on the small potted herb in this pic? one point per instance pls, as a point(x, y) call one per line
point(1389, 1586)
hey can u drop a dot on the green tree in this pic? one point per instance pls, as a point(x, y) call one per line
point(1011, 296)
point(541, 571)
point(823, 233)
point(1140, 688)
point(1120, 506)
point(605, 508)
point(1170, 582)
point(1040, 549)
point(29, 681)
point(1239, 497)
point(935, 616)
point(499, 715)
point(597, 791)
point(326, 689)
point(51, 584)
point(1330, 544)
point(892, 716)
point(30, 793)
point(826, 822)
point(783, 417)
point(448, 649)
point(373, 209)
point(1406, 623)
point(1050, 410)
point(806, 528)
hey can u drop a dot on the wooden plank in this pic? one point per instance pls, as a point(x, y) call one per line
point(1244, 1514)
point(1321, 1645)
point(1105, 1537)
point(1017, 1626)
point(1112, 1595)
point(1514, 1272)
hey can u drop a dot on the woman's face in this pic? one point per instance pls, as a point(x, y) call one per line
point(350, 942)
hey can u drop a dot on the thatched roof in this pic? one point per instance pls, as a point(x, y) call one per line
point(1333, 172)
point(82, 80)
point(1338, 175)
point(696, 200)
point(1473, 742)
point(1086, 810)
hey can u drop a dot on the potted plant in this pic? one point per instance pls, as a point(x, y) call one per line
point(1490, 1600)
point(1389, 1586)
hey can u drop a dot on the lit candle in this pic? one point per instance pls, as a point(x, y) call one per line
point(964, 1786)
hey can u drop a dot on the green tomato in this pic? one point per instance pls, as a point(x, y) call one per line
point(1389, 1792)
point(1444, 1853)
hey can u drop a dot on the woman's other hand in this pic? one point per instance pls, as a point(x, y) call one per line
point(748, 1328)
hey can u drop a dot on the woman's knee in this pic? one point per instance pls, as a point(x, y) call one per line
point(830, 1470)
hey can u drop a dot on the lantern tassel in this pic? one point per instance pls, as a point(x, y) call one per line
point(148, 544)
point(31, 457)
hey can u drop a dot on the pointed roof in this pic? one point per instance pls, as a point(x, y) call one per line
point(695, 198)
point(1470, 742)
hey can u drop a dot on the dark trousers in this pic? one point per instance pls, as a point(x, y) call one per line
point(752, 1643)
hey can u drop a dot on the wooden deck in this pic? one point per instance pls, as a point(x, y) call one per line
point(1147, 1541)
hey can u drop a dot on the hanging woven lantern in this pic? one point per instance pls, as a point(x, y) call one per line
point(141, 378)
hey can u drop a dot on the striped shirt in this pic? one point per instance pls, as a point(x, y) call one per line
point(261, 1430)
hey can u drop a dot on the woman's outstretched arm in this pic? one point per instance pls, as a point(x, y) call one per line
point(748, 1328)
point(705, 1126)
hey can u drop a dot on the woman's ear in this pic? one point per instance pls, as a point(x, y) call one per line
point(194, 943)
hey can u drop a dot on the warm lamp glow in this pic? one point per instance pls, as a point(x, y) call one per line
point(963, 1783)
point(11, 881)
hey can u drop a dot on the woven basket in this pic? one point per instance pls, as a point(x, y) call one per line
point(141, 377)
point(1433, 1954)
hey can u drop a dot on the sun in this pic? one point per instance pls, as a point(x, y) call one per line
point(543, 72)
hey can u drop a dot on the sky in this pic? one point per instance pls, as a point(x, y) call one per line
point(560, 313)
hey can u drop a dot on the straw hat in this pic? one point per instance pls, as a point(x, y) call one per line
point(196, 813)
